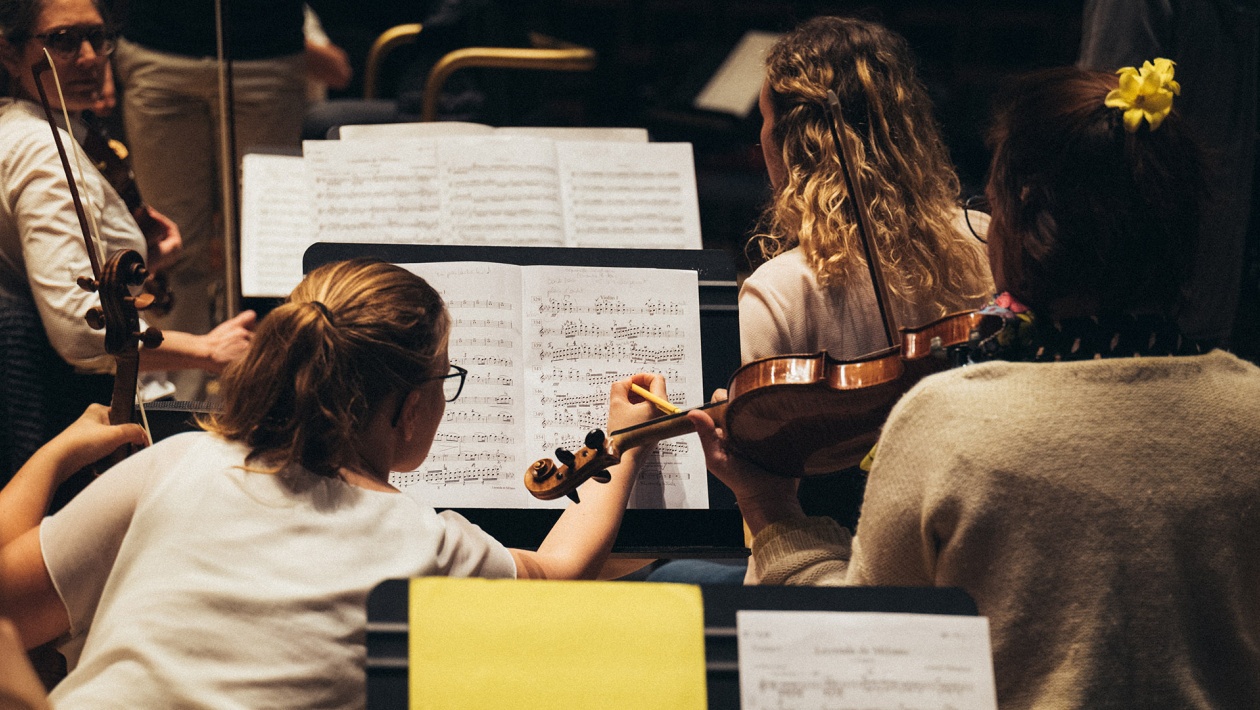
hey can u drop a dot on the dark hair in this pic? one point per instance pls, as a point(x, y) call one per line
point(1084, 209)
point(352, 335)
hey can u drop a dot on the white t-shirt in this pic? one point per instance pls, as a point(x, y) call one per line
point(41, 245)
point(199, 584)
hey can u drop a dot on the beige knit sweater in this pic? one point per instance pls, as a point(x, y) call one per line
point(1105, 516)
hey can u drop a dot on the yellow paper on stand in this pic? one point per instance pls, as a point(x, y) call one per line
point(478, 643)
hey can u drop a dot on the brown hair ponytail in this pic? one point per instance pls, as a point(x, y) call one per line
point(351, 335)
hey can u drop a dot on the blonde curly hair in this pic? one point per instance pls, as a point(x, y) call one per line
point(901, 164)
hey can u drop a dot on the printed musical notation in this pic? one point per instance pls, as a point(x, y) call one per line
point(538, 392)
point(620, 331)
point(813, 659)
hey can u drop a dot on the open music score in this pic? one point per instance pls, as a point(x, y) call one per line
point(542, 345)
point(502, 190)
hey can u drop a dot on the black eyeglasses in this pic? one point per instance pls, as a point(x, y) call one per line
point(452, 385)
point(976, 203)
point(67, 42)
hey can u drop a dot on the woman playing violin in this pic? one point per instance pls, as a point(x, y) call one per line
point(1093, 486)
point(815, 293)
point(41, 246)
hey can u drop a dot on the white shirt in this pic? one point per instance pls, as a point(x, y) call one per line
point(783, 310)
point(41, 245)
point(199, 584)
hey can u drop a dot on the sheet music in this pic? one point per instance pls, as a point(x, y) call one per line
point(276, 223)
point(417, 129)
point(542, 345)
point(630, 195)
point(462, 128)
point(510, 191)
point(578, 133)
point(815, 659)
point(376, 191)
point(734, 87)
point(589, 327)
point(501, 191)
point(478, 459)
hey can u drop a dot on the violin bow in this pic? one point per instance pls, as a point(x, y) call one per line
point(37, 69)
point(861, 214)
point(118, 312)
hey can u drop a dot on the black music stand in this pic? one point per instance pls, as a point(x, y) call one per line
point(387, 628)
point(716, 532)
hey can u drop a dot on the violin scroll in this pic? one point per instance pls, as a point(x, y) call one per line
point(547, 481)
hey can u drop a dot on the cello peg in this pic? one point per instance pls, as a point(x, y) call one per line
point(87, 283)
point(602, 476)
point(142, 301)
point(95, 318)
point(573, 496)
point(594, 439)
point(137, 274)
point(151, 337)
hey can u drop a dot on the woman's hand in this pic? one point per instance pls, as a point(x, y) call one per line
point(164, 240)
point(89, 439)
point(625, 408)
point(763, 497)
point(229, 341)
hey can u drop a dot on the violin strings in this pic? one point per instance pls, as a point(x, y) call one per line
point(78, 161)
point(144, 418)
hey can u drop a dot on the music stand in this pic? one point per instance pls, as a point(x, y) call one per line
point(388, 640)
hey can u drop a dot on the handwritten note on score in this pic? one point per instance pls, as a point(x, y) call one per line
point(817, 659)
point(542, 345)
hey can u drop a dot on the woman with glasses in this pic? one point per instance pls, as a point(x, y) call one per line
point(230, 568)
point(41, 246)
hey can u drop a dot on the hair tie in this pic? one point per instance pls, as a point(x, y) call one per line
point(324, 309)
point(1145, 93)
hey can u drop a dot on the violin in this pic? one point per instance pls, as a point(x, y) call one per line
point(114, 162)
point(797, 415)
point(123, 271)
point(792, 415)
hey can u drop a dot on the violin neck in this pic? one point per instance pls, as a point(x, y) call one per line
point(122, 402)
point(659, 429)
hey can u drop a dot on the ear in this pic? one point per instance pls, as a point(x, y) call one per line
point(410, 412)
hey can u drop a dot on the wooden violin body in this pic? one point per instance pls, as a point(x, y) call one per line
point(808, 415)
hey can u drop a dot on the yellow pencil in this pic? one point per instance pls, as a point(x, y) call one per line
point(661, 404)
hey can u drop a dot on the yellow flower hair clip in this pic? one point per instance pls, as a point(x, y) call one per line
point(1145, 93)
